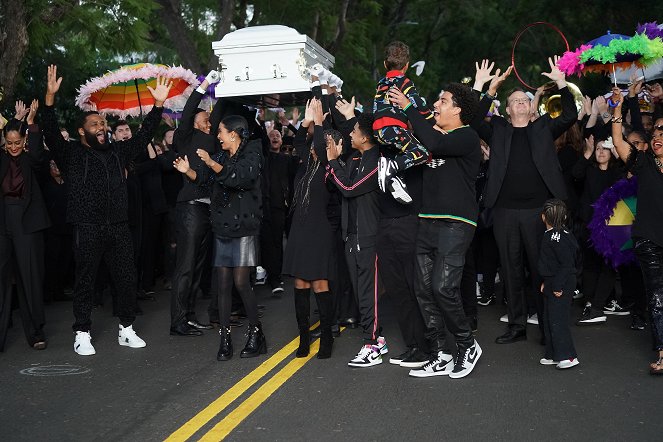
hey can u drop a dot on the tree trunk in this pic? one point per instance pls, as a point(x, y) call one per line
point(340, 27)
point(171, 15)
point(13, 44)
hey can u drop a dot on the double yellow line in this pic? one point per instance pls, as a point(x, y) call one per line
point(249, 405)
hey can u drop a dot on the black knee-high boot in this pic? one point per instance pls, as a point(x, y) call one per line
point(302, 312)
point(326, 309)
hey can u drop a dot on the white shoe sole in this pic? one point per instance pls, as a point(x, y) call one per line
point(533, 321)
point(598, 320)
point(87, 353)
point(382, 170)
point(399, 194)
point(567, 366)
point(608, 312)
point(395, 361)
point(427, 374)
point(504, 319)
point(413, 364)
point(127, 344)
point(545, 361)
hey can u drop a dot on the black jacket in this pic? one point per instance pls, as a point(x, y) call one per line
point(97, 183)
point(31, 161)
point(236, 208)
point(188, 139)
point(557, 259)
point(364, 187)
point(541, 135)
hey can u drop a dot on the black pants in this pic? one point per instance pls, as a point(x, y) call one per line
point(396, 251)
point(271, 244)
point(193, 242)
point(345, 301)
point(598, 279)
point(59, 260)
point(487, 258)
point(557, 322)
point(468, 282)
point(518, 233)
point(650, 256)
point(152, 224)
point(22, 254)
point(440, 257)
point(362, 265)
point(112, 244)
point(633, 289)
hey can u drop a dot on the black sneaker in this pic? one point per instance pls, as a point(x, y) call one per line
point(637, 323)
point(396, 360)
point(592, 317)
point(586, 309)
point(486, 300)
point(415, 360)
point(466, 359)
point(615, 309)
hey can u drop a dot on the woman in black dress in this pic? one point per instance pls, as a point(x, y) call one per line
point(311, 241)
point(23, 219)
point(236, 212)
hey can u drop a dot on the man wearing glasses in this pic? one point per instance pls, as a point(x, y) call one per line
point(522, 174)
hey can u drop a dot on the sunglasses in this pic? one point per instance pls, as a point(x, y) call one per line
point(658, 127)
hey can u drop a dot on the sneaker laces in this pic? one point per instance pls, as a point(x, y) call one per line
point(129, 332)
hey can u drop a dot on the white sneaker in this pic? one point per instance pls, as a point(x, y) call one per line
point(382, 345)
point(441, 366)
point(386, 169)
point(505, 318)
point(568, 363)
point(545, 361)
point(534, 319)
point(368, 356)
point(465, 361)
point(129, 338)
point(261, 275)
point(82, 344)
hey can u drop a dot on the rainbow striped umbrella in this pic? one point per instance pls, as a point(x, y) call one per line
point(123, 92)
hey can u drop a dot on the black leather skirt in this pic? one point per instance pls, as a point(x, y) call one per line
point(235, 252)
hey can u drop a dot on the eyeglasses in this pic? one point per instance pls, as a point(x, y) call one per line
point(658, 127)
point(520, 101)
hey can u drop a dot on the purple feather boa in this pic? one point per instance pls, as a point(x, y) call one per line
point(604, 207)
point(651, 30)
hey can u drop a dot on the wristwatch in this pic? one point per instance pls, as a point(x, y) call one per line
point(605, 115)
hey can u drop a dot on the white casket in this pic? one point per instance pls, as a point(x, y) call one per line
point(267, 65)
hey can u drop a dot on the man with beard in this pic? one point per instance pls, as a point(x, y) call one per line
point(97, 207)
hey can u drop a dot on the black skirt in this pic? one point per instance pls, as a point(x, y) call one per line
point(235, 252)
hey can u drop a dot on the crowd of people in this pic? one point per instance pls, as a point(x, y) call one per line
point(430, 205)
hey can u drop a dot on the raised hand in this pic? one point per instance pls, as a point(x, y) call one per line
point(21, 110)
point(555, 73)
point(587, 105)
point(398, 98)
point(346, 108)
point(483, 74)
point(635, 85)
point(318, 116)
point(497, 80)
point(283, 119)
point(182, 164)
point(334, 149)
point(160, 93)
point(52, 82)
point(33, 111)
point(617, 95)
point(601, 104)
point(295, 115)
point(589, 147)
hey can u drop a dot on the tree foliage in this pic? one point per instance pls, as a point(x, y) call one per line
point(87, 37)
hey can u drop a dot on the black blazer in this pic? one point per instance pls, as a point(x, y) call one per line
point(33, 160)
point(541, 134)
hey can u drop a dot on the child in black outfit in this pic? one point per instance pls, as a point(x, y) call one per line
point(557, 266)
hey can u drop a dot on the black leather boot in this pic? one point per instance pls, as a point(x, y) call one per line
point(326, 308)
point(226, 346)
point(302, 312)
point(255, 342)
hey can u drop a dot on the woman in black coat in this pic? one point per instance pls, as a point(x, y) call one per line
point(23, 218)
point(236, 213)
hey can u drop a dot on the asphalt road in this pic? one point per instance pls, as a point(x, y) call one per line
point(150, 394)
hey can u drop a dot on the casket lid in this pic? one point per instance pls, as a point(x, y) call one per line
point(259, 36)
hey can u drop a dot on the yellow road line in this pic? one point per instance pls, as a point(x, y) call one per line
point(208, 413)
point(235, 417)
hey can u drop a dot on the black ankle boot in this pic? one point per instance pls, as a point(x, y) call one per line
point(226, 346)
point(302, 311)
point(325, 306)
point(255, 343)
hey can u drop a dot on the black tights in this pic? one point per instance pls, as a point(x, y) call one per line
point(240, 276)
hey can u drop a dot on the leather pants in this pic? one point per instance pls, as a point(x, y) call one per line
point(650, 256)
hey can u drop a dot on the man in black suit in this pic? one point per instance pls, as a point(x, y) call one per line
point(522, 174)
